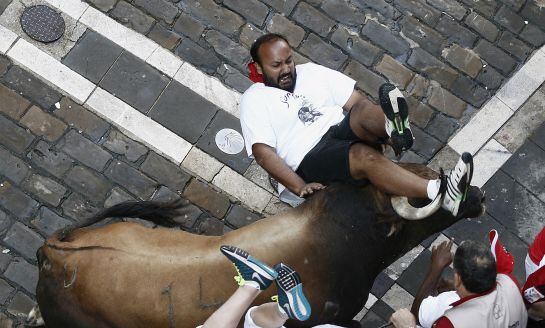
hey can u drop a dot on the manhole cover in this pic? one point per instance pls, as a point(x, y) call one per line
point(42, 23)
point(229, 141)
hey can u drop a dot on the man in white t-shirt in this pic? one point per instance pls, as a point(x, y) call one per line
point(294, 125)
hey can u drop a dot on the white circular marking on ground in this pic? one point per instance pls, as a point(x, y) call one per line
point(229, 141)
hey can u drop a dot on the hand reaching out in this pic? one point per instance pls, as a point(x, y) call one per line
point(309, 189)
point(441, 257)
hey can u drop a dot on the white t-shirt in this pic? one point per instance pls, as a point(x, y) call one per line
point(293, 123)
point(434, 307)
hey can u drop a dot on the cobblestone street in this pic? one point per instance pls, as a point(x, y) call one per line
point(129, 102)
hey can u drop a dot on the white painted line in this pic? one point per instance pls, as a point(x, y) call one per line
point(134, 42)
point(209, 87)
point(371, 300)
point(481, 127)
point(73, 8)
point(55, 73)
point(165, 61)
point(523, 84)
point(242, 188)
point(7, 38)
point(487, 161)
point(138, 126)
point(202, 164)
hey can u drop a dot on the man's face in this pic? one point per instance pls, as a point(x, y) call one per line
point(277, 65)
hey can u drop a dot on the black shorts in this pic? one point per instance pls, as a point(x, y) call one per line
point(328, 161)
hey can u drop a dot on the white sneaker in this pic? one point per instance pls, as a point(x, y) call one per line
point(458, 181)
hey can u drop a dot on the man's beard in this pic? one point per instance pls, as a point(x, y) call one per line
point(270, 82)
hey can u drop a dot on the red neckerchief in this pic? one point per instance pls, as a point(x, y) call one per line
point(253, 74)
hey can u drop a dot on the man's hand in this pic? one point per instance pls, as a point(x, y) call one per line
point(309, 189)
point(403, 319)
point(441, 257)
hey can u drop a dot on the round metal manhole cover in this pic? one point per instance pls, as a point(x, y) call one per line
point(229, 141)
point(42, 23)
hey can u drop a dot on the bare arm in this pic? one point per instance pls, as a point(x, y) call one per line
point(357, 100)
point(267, 158)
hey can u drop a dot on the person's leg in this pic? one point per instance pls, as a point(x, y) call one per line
point(266, 315)
point(230, 313)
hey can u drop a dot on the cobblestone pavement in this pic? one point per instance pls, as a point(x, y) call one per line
point(65, 152)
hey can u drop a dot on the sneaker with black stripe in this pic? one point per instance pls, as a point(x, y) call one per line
point(396, 111)
point(250, 270)
point(291, 298)
point(458, 181)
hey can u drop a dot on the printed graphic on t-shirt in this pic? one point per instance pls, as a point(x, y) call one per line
point(306, 111)
point(532, 295)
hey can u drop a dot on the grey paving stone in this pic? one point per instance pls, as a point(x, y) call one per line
point(446, 102)
point(490, 77)
point(17, 202)
point(425, 144)
point(514, 4)
point(92, 56)
point(23, 273)
point(533, 35)
point(412, 157)
point(533, 12)
point(117, 196)
point(495, 57)
point(380, 6)
point(189, 27)
point(514, 206)
point(259, 176)
point(12, 167)
point(470, 91)
point(313, 19)
point(24, 240)
point(418, 87)
point(239, 216)
point(463, 59)
point(31, 87)
point(383, 36)
point(50, 159)
point(4, 65)
point(165, 172)
point(163, 36)
point(233, 78)
point(381, 285)
point(78, 208)
point(343, 11)
point(366, 79)
point(220, 18)
point(5, 222)
point(104, 5)
point(253, 10)
point(395, 71)
point(159, 9)
point(282, 25)
point(442, 127)
point(202, 195)
point(82, 119)
point(420, 9)
point(421, 114)
point(5, 259)
point(432, 67)
point(119, 143)
point(205, 59)
point(209, 227)
point(451, 7)
point(514, 46)
point(207, 142)
point(509, 19)
point(363, 51)
point(132, 17)
point(249, 34)
point(5, 291)
point(225, 47)
point(134, 81)
point(89, 183)
point(322, 52)
point(13, 136)
point(539, 136)
point(526, 166)
point(473, 229)
point(482, 26)
point(426, 37)
point(383, 310)
point(47, 221)
point(282, 6)
point(414, 275)
point(131, 179)
point(4, 4)
point(485, 7)
point(372, 320)
point(21, 305)
point(84, 150)
point(183, 119)
point(455, 32)
point(43, 124)
point(12, 104)
point(45, 189)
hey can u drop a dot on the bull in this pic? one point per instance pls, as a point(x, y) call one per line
point(127, 275)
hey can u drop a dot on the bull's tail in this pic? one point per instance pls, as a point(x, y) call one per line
point(156, 212)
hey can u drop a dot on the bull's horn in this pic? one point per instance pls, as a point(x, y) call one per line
point(407, 211)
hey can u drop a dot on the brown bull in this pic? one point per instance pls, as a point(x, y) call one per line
point(127, 275)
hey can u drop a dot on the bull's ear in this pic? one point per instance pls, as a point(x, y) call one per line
point(404, 209)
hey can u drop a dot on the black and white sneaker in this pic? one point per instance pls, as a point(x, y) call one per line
point(457, 182)
point(291, 298)
point(396, 111)
point(250, 270)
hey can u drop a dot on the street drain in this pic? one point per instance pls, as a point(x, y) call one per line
point(42, 23)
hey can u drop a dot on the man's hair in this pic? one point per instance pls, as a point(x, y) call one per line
point(476, 266)
point(254, 50)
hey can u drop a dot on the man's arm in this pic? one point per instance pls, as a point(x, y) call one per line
point(440, 259)
point(267, 158)
point(357, 100)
